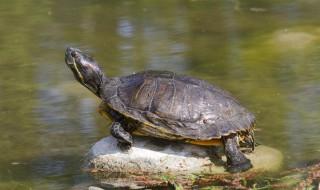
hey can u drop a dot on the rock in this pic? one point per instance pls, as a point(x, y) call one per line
point(94, 188)
point(291, 40)
point(153, 162)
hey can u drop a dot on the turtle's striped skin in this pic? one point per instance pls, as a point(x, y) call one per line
point(165, 105)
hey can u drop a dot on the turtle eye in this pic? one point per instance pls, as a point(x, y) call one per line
point(75, 54)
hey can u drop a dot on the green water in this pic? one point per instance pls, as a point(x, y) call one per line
point(267, 53)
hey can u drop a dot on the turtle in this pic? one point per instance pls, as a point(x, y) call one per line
point(168, 106)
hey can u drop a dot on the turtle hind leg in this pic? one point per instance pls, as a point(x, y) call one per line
point(124, 138)
point(236, 160)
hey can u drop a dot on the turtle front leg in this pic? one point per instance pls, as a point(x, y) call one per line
point(236, 161)
point(124, 138)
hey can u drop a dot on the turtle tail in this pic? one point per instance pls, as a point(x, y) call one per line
point(246, 139)
point(252, 139)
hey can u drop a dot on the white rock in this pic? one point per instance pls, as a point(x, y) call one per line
point(154, 157)
point(94, 188)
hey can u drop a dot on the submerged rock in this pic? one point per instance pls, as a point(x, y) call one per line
point(152, 162)
point(291, 40)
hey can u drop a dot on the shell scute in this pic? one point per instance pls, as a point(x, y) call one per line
point(172, 106)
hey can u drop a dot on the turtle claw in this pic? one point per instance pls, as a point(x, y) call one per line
point(124, 147)
point(240, 167)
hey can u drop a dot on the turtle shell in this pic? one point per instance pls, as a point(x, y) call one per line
point(166, 105)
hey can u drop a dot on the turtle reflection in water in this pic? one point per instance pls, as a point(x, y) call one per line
point(165, 105)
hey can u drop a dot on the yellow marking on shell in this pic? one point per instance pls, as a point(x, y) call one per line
point(136, 132)
point(174, 92)
point(141, 131)
point(213, 142)
point(137, 94)
point(216, 141)
point(153, 94)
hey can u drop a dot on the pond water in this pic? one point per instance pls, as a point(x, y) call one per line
point(266, 53)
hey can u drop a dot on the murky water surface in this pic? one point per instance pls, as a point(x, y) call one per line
point(267, 53)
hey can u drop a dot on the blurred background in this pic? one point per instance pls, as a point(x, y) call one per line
point(266, 53)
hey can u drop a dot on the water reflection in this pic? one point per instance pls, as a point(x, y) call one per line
point(303, 123)
point(158, 49)
point(125, 28)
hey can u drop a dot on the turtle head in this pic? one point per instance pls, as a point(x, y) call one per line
point(85, 69)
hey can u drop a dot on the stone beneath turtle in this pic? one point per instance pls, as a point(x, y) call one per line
point(152, 162)
point(165, 105)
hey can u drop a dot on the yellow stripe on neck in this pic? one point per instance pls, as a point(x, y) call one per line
point(79, 74)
